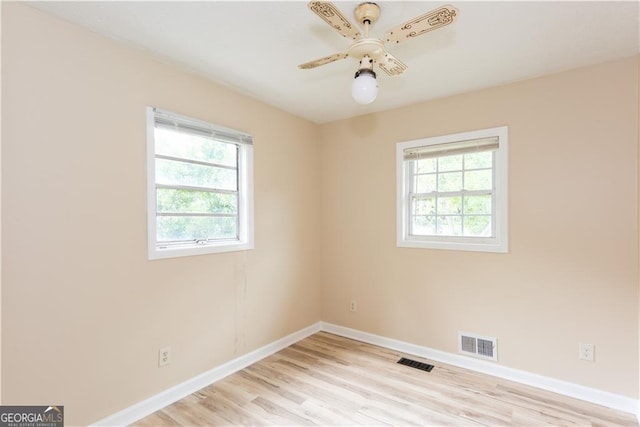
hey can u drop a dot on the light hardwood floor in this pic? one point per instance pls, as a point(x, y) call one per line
point(330, 380)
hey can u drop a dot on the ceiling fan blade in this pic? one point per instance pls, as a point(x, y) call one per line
point(332, 16)
point(430, 21)
point(391, 65)
point(323, 61)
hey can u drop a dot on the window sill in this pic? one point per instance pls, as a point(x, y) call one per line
point(485, 246)
point(194, 250)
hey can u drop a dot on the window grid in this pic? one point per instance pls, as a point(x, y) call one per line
point(195, 188)
point(436, 195)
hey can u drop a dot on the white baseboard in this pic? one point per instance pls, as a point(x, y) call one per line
point(154, 403)
point(577, 391)
point(146, 407)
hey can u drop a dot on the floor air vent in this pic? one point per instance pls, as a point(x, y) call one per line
point(474, 345)
point(416, 364)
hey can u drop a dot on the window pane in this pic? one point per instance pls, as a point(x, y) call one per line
point(478, 180)
point(450, 163)
point(449, 226)
point(426, 165)
point(171, 228)
point(425, 183)
point(187, 201)
point(170, 172)
point(451, 181)
point(477, 226)
point(478, 160)
point(194, 147)
point(477, 205)
point(424, 206)
point(423, 225)
point(449, 205)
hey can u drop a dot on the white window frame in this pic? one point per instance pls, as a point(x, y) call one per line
point(499, 241)
point(244, 240)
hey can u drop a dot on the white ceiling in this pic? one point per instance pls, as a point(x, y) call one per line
point(255, 47)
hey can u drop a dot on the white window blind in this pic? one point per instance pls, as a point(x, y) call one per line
point(451, 148)
point(178, 123)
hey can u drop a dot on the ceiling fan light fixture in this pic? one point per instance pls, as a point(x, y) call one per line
point(364, 89)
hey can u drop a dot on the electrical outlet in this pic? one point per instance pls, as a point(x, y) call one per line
point(164, 356)
point(586, 352)
point(353, 306)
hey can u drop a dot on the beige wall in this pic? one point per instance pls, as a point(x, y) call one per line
point(84, 311)
point(571, 274)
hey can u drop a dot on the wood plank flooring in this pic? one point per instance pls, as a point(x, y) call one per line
point(330, 380)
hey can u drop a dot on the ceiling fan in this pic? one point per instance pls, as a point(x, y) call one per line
point(371, 50)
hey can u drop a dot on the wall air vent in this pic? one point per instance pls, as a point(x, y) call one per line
point(477, 346)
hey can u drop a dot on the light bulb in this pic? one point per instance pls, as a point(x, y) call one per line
point(365, 87)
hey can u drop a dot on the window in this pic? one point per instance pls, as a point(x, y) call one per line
point(200, 187)
point(452, 191)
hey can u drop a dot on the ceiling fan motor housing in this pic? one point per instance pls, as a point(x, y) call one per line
point(367, 11)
